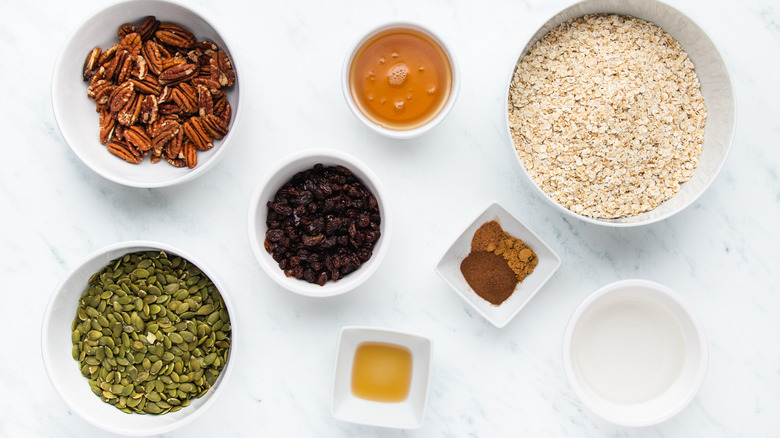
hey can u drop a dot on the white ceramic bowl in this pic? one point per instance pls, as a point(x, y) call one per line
point(716, 88)
point(280, 174)
point(448, 267)
point(635, 353)
point(75, 112)
point(64, 371)
point(396, 133)
point(407, 414)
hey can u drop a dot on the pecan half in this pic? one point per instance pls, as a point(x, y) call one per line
point(121, 96)
point(175, 35)
point(196, 132)
point(149, 85)
point(125, 151)
point(190, 155)
point(148, 109)
point(205, 102)
point(148, 27)
point(124, 30)
point(168, 130)
point(128, 115)
point(153, 53)
point(214, 126)
point(136, 136)
point(107, 126)
point(132, 43)
point(91, 63)
point(141, 68)
point(226, 74)
point(186, 98)
point(108, 54)
point(126, 69)
point(179, 73)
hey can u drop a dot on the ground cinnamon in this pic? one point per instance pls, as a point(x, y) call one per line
point(497, 263)
point(489, 276)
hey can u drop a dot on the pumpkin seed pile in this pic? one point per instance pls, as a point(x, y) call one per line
point(151, 333)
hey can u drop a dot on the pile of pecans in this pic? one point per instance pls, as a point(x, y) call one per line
point(160, 92)
point(322, 224)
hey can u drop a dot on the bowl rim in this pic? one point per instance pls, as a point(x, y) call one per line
point(656, 288)
point(396, 133)
point(187, 174)
point(49, 361)
point(272, 270)
point(618, 222)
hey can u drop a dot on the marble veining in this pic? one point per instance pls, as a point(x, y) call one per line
point(721, 253)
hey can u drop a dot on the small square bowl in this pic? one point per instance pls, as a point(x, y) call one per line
point(448, 267)
point(407, 414)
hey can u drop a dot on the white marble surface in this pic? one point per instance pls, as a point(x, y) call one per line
point(721, 253)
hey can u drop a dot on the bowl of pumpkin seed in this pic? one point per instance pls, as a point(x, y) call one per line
point(137, 339)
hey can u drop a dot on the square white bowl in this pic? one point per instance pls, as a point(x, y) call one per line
point(448, 267)
point(408, 414)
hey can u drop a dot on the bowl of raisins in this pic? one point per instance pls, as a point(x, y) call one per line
point(318, 223)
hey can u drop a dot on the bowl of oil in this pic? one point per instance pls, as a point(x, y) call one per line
point(635, 353)
point(381, 377)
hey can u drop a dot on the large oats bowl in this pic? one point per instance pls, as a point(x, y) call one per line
point(140, 347)
point(190, 99)
point(610, 121)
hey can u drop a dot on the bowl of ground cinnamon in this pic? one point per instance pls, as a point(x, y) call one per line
point(497, 265)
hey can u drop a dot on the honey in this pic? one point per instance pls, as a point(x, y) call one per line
point(400, 78)
point(381, 372)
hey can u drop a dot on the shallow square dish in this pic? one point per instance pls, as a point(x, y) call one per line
point(408, 414)
point(448, 267)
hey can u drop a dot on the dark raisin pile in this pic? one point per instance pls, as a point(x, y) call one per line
point(322, 224)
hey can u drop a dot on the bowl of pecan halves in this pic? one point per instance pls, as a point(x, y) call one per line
point(146, 93)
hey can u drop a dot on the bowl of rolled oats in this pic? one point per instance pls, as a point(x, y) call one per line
point(146, 93)
point(620, 113)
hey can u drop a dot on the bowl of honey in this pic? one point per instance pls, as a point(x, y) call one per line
point(400, 79)
point(381, 377)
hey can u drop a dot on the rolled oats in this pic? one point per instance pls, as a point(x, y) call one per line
point(607, 115)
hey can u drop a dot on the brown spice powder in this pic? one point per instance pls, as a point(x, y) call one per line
point(489, 276)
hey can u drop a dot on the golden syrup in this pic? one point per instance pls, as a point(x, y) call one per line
point(381, 372)
point(400, 78)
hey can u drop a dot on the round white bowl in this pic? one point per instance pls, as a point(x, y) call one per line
point(397, 133)
point(716, 88)
point(635, 353)
point(64, 371)
point(75, 112)
point(281, 173)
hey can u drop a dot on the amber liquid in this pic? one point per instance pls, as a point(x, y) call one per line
point(400, 79)
point(381, 372)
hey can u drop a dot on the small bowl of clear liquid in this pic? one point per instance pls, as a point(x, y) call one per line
point(635, 353)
